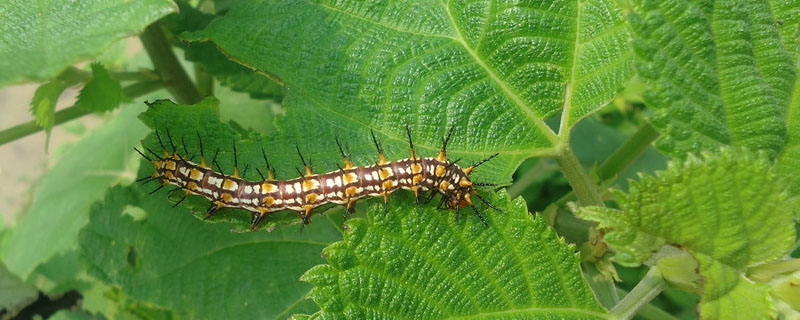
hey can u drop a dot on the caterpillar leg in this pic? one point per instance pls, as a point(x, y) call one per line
point(213, 209)
point(257, 217)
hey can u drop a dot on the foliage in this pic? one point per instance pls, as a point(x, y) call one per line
point(40, 40)
point(703, 197)
point(517, 268)
point(578, 86)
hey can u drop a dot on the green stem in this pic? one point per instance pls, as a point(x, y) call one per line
point(205, 82)
point(622, 158)
point(651, 286)
point(144, 75)
point(766, 272)
point(166, 64)
point(602, 286)
point(628, 152)
point(71, 113)
point(580, 182)
point(649, 311)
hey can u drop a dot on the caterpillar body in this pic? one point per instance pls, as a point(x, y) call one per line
point(436, 175)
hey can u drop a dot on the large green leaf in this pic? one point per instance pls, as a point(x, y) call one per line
point(417, 262)
point(60, 204)
point(729, 210)
point(492, 70)
point(165, 257)
point(788, 13)
point(719, 72)
point(39, 39)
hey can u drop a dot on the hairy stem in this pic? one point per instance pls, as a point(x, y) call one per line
point(71, 113)
point(647, 289)
point(169, 69)
point(628, 152)
point(580, 182)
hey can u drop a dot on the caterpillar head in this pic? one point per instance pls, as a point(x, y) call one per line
point(460, 198)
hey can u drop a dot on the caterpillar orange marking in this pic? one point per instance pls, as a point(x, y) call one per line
point(344, 186)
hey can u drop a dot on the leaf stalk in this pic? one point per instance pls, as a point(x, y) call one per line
point(167, 66)
point(647, 289)
point(22, 130)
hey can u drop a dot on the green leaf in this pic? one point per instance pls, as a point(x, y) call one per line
point(71, 315)
point(40, 39)
point(163, 256)
point(102, 93)
point(492, 71)
point(43, 104)
point(719, 72)
point(417, 262)
point(15, 293)
point(789, 162)
point(730, 211)
point(229, 73)
point(60, 204)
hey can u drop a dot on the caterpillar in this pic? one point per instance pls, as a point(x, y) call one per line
point(436, 175)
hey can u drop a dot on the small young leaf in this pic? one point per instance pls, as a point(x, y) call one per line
point(417, 262)
point(102, 93)
point(40, 39)
point(43, 104)
point(719, 73)
point(729, 210)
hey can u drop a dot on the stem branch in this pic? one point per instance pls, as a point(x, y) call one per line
point(22, 130)
point(580, 182)
point(166, 64)
point(647, 289)
point(621, 159)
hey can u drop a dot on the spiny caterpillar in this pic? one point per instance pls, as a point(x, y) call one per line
point(303, 194)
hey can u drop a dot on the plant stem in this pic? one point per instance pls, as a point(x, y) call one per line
point(580, 182)
point(603, 287)
point(647, 289)
point(71, 113)
point(628, 152)
point(622, 158)
point(205, 82)
point(766, 272)
point(649, 311)
point(166, 64)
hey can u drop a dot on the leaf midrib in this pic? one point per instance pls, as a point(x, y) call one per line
point(521, 105)
point(543, 127)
